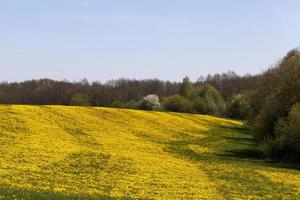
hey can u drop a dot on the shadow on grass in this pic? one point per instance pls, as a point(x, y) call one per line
point(244, 154)
point(30, 194)
point(235, 128)
point(285, 165)
point(241, 129)
point(241, 140)
point(238, 146)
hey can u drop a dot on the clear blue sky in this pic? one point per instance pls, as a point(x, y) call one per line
point(165, 39)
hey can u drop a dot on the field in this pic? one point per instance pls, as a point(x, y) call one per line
point(58, 152)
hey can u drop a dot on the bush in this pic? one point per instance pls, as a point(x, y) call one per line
point(200, 106)
point(286, 145)
point(239, 108)
point(132, 104)
point(118, 104)
point(150, 102)
point(209, 101)
point(176, 103)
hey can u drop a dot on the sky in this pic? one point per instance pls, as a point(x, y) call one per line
point(166, 39)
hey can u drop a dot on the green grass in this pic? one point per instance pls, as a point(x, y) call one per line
point(58, 152)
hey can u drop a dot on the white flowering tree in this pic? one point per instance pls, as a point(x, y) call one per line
point(150, 102)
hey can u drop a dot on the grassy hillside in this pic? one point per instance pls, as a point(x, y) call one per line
point(56, 152)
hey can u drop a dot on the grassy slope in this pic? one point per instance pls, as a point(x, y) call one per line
point(56, 152)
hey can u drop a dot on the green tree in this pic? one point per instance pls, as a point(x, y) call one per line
point(284, 94)
point(239, 108)
point(209, 100)
point(200, 106)
point(185, 87)
point(176, 103)
point(286, 144)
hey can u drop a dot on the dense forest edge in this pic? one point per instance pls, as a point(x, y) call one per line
point(269, 102)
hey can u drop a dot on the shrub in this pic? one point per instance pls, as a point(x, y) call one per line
point(209, 100)
point(132, 104)
point(176, 103)
point(286, 144)
point(118, 104)
point(200, 106)
point(150, 102)
point(80, 100)
point(239, 108)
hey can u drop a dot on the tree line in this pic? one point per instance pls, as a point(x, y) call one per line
point(51, 92)
point(269, 101)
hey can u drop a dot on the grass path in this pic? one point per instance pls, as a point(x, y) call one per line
point(58, 152)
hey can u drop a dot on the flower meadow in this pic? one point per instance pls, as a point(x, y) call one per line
point(60, 152)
